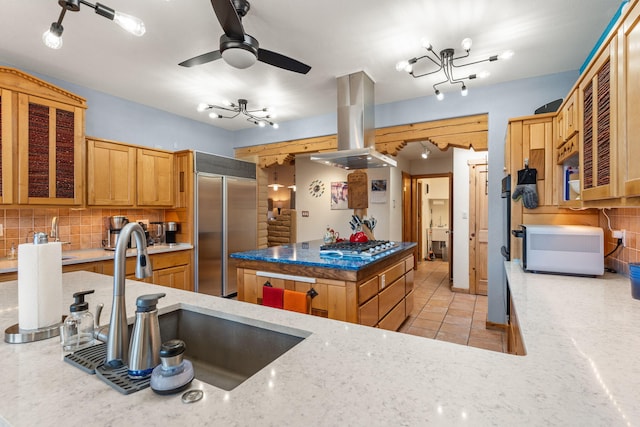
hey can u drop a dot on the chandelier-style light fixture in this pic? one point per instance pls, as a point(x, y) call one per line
point(260, 117)
point(53, 36)
point(445, 63)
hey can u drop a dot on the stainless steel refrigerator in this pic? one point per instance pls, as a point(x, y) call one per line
point(226, 220)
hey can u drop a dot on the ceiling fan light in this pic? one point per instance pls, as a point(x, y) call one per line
point(52, 38)
point(239, 57)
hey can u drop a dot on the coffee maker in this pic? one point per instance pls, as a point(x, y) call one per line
point(156, 233)
point(114, 225)
point(170, 233)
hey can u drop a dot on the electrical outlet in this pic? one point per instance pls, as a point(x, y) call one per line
point(620, 234)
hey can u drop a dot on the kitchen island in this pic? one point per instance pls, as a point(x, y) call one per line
point(580, 369)
point(372, 290)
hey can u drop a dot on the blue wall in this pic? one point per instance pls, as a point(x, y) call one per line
point(118, 119)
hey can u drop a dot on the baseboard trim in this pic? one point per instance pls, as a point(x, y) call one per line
point(496, 326)
point(460, 290)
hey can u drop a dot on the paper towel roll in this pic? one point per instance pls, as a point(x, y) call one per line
point(39, 285)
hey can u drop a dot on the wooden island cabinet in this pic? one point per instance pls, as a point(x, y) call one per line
point(378, 294)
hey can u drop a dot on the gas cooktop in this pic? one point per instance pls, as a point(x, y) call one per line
point(356, 249)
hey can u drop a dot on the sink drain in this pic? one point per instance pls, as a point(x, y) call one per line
point(192, 396)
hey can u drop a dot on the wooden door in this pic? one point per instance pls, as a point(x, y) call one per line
point(408, 213)
point(478, 227)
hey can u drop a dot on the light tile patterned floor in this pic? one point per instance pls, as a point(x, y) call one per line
point(441, 314)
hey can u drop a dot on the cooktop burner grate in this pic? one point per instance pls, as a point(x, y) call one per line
point(356, 249)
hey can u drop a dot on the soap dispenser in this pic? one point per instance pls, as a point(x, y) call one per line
point(77, 330)
point(144, 348)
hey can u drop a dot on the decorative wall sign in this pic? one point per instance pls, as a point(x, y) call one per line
point(316, 188)
point(378, 191)
point(358, 191)
point(339, 195)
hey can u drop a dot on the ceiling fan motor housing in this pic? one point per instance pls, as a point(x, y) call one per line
point(239, 53)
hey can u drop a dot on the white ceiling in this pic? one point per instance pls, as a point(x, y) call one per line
point(334, 37)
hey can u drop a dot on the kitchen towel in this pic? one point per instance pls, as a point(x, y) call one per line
point(39, 285)
point(296, 301)
point(272, 297)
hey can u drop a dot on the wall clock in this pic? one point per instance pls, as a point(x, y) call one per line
point(316, 188)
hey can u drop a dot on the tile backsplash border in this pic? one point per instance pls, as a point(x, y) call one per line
point(83, 228)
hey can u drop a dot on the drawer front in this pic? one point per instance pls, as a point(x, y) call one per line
point(368, 312)
point(391, 275)
point(408, 282)
point(391, 296)
point(408, 263)
point(367, 290)
point(408, 304)
point(394, 319)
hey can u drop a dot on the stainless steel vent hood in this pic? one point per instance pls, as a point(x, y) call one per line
point(356, 127)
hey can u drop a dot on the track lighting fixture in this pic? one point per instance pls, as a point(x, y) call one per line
point(425, 152)
point(260, 117)
point(445, 63)
point(53, 36)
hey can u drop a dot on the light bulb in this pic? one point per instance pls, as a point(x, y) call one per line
point(424, 155)
point(464, 91)
point(439, 95)
point(275, 125)
point(215, 116)
point(51, 40)
point(426, 44)
point(130, 23)
point(402, 65)
point(53, 36)
point(506, 54)
point(202, 106)
point(261, 124)
point(484, 74)
point(466, 44)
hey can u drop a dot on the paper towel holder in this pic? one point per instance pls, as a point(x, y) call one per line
point(14, 335)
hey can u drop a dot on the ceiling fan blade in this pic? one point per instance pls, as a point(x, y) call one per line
point(201, 59)
point(278, 60)
point(228, 18)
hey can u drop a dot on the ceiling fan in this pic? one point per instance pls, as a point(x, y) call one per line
point(237, 48)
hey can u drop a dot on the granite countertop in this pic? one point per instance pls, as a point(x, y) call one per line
point(308, 254)
point(581, 368)
point(93, 255)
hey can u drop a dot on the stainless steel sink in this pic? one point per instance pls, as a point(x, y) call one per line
point(227, 350)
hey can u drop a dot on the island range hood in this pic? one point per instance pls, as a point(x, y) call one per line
point(356, 127)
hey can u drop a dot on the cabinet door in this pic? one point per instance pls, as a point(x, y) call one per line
point(630, 40)
point(598, 139)
point(110, 173)
point(173, 277)
point(155, 178)
point(50, 143)
point(6, 146)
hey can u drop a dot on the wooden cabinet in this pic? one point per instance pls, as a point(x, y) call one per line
point(384, 299)
point(155, 178)
point(597, 94)
point(120, 174)
point(110, 173)
point(172, 269)
point(515, 344)
point(629, 65)
point(45, 125)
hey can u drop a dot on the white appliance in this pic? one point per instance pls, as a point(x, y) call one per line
point(563, 249)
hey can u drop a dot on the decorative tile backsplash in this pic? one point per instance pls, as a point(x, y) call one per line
point(83, 228)
point(627, 219)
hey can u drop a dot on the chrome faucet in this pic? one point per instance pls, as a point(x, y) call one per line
point(118, 338)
